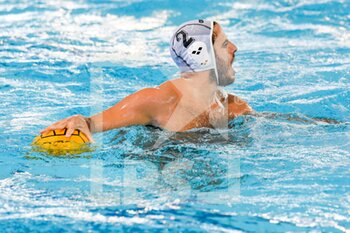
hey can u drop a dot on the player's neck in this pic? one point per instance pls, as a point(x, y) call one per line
point(200, 85)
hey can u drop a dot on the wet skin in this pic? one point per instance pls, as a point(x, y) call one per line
point(176, 105)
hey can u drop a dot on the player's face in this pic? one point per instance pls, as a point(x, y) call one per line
point(225, 54)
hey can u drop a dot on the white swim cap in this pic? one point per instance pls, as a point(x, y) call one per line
point(191, 46)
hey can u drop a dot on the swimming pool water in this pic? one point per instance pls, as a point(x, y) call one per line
point(59, 58)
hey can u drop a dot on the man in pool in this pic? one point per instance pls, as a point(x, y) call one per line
point(205, 56)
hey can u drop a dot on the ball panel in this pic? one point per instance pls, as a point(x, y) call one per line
point(77, 136)
point(56, 140)
point(83, 136)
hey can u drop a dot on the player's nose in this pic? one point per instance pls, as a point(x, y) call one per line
point(233, 48)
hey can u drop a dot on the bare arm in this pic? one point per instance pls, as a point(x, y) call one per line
point(238, 107)
point(135, 109)
point(295, 117)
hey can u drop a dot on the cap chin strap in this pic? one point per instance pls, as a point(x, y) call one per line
point(212, 53)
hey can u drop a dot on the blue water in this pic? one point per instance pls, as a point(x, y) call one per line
point(59, 58)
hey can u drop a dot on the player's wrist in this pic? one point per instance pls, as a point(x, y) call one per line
point(88, 123)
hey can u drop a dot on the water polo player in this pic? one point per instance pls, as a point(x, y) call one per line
point(205, 56)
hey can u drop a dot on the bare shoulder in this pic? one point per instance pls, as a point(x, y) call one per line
point(234, 99)
point(238, 106)
point(164, 90)
point(152, 99)
point(142, 96)
point(169, 88)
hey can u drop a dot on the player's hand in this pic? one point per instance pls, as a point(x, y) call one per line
point(72, 123)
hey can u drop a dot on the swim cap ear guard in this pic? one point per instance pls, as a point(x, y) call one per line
point(191, 47)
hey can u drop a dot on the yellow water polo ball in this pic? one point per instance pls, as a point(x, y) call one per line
point(55, 142)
